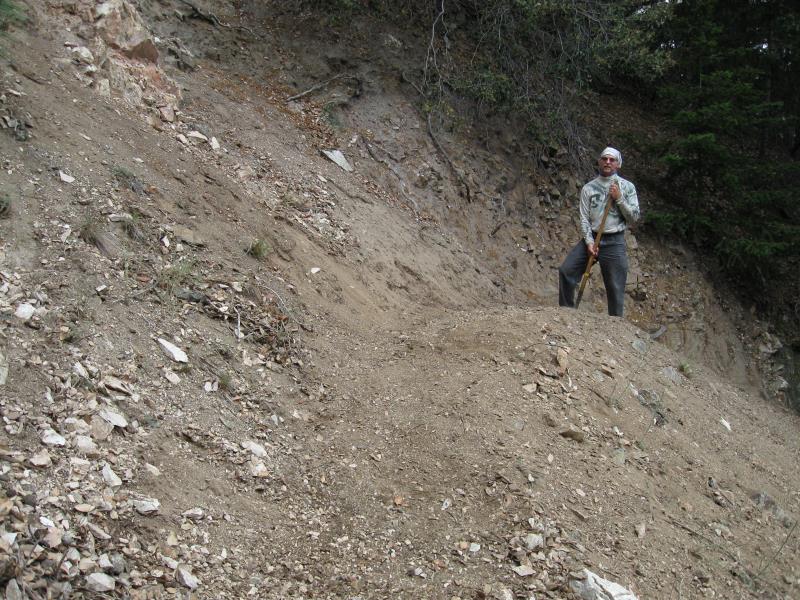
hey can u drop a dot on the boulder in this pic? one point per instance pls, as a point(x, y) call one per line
point(119, 25)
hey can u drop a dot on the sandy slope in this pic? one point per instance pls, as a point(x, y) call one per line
point(425, 421)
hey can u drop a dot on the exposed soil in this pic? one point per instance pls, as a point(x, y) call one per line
point(427, 423)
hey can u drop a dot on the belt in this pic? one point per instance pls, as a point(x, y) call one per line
point(608, 235)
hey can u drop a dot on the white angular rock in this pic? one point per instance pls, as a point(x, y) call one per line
point(100, 582)
point(24, 311)
point(80, 370)
point(83, 55)
point(196, 135)
point(172, 377)
point(257, 449)
point(112, 479)
point(66, 178)
point(172, 351)
point(53, 438)
point(523, 570)
point(169, 562)
point(146, 506)
point(113, 417)
point(184, 576)
point(594, 587)
point(116, 384)
point(534, 541)
point(3, 368)
point(337, 157)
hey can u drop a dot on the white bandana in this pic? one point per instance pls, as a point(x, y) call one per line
point(613, 153)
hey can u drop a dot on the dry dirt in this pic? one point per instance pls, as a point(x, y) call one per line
point(427, 424)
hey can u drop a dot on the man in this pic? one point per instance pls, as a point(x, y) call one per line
point(610, 253)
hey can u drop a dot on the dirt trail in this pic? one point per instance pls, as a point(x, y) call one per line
point(382, 402)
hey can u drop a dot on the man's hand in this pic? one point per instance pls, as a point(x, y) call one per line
point(614, 192)
point(593, 249)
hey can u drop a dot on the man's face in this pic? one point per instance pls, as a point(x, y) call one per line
point(608, 165)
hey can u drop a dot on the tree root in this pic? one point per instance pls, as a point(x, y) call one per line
point(214, 20)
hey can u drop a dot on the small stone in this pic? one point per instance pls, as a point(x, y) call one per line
point(81, 466)
point(172, 377)
point(641, 529)
point(100, 582)
point(534, 541)
point(672, 374)
point(549, 420)
point(523, 570)
point(85, 445)
point(152, 470)
point(258, 468)
point(190, 236)
point(530, 388)
point(12, 591)
point(195, 514)
point(41, 459)
point(84, 508)
point(53, 537)
point(65, 177)
point(573, 433)
point(167, 113)
point(100, 428)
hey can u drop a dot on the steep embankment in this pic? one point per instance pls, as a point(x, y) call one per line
point(376, 400)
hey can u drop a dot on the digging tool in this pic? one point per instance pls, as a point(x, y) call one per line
point(588, 272)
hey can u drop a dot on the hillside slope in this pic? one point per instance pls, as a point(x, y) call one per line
point(378, 398)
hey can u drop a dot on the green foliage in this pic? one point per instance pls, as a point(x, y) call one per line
point(258, 249)
point(178, 275)
point(10, 14)
point(730, 179)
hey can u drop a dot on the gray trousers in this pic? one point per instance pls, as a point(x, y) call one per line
point(613, 261)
